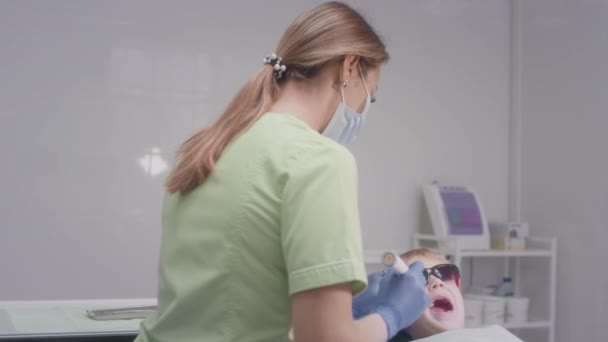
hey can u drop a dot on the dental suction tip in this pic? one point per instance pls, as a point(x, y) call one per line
point(392, 260)
point(388, 259)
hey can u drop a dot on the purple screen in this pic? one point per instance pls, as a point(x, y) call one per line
point(462, 213)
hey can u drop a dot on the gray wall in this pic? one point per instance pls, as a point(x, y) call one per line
point(88, 88)
point(565, 164)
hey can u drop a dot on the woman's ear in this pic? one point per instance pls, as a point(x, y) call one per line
point(349, 67)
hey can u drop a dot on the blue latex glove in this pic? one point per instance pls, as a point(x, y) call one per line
point(364, 302)
point(402, 298)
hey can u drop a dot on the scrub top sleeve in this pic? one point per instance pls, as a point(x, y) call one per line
point(320, 228)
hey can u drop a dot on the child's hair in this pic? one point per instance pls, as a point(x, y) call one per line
point(322, 36)
point(425, 253)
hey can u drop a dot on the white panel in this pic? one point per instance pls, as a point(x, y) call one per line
point(94, 95)
point(565, 165)
point(442, 114)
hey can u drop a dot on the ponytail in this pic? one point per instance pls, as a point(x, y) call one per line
point(312, 41)
point(198, 155)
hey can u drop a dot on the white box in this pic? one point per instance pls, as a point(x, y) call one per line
point(473, 312)
point(509, 235)
point(493, 308)
point(516, 309)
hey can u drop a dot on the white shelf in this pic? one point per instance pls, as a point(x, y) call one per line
point(375, 256)
point(497, 253)
point(535, 247)
point(527, 325)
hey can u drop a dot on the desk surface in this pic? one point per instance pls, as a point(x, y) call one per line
point(37, 319)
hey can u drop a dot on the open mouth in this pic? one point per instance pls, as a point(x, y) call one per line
point(442, 304)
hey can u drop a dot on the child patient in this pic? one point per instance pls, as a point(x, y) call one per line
point(446, 311)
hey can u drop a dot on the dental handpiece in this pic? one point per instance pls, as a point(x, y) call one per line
point(392, 260)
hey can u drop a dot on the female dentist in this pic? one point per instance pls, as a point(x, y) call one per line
point(260, 224)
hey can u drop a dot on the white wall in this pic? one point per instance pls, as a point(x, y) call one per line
point(443, 113)
point(88, 87)
point(565, 164)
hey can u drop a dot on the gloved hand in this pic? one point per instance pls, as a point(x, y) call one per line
point(402, 298)
point(365, 301)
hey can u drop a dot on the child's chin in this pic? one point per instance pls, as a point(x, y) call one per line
point(425, 326)
point(448, 320)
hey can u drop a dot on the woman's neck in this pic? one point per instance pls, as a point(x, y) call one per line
point(313, 102)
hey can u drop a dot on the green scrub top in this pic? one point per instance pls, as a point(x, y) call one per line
point(278, 216)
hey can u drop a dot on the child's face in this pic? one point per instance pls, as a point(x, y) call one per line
point(446, 311)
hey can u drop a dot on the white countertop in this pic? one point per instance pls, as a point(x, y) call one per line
point(65, 318)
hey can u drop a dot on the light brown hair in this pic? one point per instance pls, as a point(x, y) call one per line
point(322, 36)
point(424, 253)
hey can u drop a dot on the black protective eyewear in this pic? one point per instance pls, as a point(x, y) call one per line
point(443, 272)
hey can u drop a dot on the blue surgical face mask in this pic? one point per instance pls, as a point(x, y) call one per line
point(346, 123)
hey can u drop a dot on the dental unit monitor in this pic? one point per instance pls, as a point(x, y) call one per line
point(456, 213)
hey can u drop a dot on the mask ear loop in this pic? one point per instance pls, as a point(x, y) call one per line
point(344, 84)
point(363, 80)
point(369, 99)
